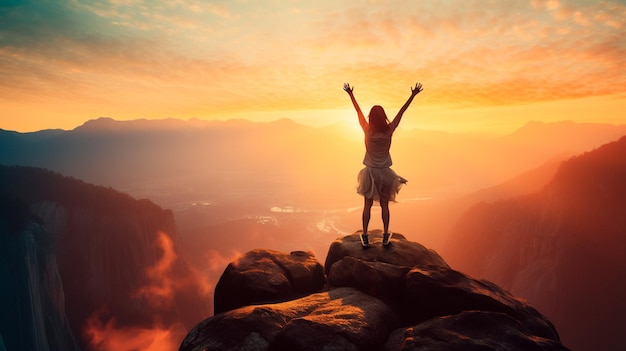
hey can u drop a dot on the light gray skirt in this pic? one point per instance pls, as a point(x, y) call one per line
point(379, 183)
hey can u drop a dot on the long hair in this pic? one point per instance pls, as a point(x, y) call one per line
point(378, 121)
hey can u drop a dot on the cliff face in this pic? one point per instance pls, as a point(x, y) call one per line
point(31, 299)
point(561, 248)
point(400, 297)
point(117, 258)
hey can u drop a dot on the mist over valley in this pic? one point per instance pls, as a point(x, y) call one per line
point(235, 186)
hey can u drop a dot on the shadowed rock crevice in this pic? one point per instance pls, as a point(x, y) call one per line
point(400, 297)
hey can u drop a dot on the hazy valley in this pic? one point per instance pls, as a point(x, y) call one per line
point(237, 185)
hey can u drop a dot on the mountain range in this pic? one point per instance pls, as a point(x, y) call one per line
point(215, 172)
point(173, 159)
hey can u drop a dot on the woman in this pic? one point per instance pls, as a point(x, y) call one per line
point(378, 182)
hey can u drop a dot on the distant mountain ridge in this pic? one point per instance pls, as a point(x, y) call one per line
point(122, 154)
point(136, 155)
point(561, 247)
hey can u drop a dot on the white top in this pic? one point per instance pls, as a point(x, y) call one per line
point(377, 147)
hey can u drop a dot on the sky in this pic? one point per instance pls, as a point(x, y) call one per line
point(485, 65)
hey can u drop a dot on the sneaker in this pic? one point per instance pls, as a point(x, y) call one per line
point(364, 240)
point(386, 238)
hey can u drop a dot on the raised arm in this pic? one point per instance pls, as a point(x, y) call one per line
point(362, 121)
point(414, 91)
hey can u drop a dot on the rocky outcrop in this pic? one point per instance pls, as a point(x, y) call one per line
point(400, 297)
point(267, 276)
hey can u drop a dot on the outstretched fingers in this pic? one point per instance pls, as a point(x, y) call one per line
point(418, 88)
point(347, 88)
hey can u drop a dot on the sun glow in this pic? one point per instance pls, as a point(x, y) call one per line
point(167, 59)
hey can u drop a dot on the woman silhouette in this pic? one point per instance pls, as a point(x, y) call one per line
point(378, 182)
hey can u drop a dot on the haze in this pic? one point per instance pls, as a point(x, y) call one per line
point(237, 185)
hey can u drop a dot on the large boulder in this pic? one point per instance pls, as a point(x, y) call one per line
point(398, 297)
point(438, 291)
point(377, 270)
point(261, 276)
point(339, 319)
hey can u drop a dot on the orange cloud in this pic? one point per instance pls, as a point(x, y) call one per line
point(164, 282)
point(216, 262)
point(104, 334)
point(160, 289)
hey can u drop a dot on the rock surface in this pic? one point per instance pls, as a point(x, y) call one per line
point(266, 275)
point(31, 293)
point(405, 253)
point(400, 297)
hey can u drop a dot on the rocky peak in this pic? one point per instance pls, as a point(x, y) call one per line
point(400, 297)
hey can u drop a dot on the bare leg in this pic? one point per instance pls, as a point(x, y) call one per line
point(367, 209)
point(384, 205)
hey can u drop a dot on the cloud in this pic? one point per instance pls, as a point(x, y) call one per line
point(160, 289)
point(508, 53)
point(103, 333)
point(165, 281)
point(163, 297)
point(35, 24)
point(159, 16)
point(191, 58)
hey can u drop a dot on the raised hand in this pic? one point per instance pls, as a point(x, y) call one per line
point(418, 88)
point(347, 88)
